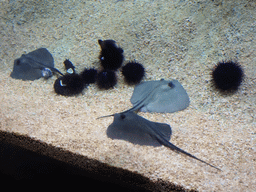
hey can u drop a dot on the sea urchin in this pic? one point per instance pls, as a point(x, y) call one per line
point(133, 73)
point(227, 76)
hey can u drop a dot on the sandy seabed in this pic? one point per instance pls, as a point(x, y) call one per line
point(180, 40)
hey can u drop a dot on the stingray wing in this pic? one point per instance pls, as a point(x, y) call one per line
point(164, 129)
point(41, 58)
point(22, 69)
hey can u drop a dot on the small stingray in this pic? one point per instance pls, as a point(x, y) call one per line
point(133, 128)
point(159, 96)
point(34, 65)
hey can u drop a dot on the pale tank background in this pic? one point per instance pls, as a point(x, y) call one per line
point(180, 40)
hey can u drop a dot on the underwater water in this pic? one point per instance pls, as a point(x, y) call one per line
point(180, 40)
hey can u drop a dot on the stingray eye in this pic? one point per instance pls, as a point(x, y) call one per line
point(170, 84)
point(122, 116)
point(18, 62)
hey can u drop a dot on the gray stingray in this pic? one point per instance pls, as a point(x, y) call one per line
point(34, 65)
point(133, 128)
point(159, 96)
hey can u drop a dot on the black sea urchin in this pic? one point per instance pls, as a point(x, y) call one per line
point(133, 73)
point(106, 79)
point(227, 76)
point(89, 75)
point(111, 56)
point(70, 68)
point(69, 85)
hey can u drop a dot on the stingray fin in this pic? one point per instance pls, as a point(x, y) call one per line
point(165, 130)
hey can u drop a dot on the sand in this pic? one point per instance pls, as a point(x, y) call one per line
point(174, 40)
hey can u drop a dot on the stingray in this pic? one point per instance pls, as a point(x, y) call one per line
point(133, 128)
point(159, 96)
point(34, 65)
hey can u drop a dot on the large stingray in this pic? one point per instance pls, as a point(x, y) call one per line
point(34, 65)
point(133, 128)
point(158, 96)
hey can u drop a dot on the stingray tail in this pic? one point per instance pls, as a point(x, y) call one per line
point(176, 149)
point(105, 116)
point(132, 109)
point(45, 66)
point(135, 109)
point(56, 70)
